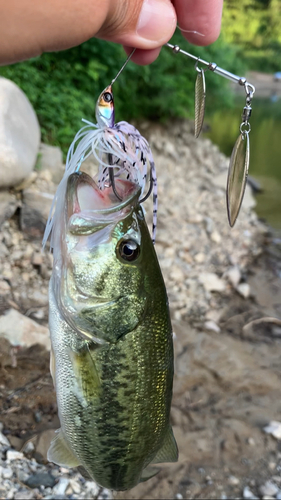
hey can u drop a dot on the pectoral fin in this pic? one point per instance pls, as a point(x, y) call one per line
point(169, 451)
point(148, 473)
point(60, 453)
point(87, 378)
point(53, 367)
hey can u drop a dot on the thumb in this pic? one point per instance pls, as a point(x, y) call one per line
point(143, 24)
point(28, 28)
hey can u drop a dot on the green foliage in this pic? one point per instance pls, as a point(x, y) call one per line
point(63, 87)
point(255, 27)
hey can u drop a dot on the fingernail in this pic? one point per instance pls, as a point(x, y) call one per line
point(157, 19)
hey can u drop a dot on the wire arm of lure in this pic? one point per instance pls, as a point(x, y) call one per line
point(249, 88)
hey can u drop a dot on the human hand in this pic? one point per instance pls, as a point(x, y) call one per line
point(28, 28)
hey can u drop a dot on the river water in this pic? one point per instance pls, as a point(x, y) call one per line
point(265, 149)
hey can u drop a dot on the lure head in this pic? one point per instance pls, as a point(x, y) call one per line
point(105, 108)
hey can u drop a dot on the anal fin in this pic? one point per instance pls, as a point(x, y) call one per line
point(60, 453)
point(169, 451)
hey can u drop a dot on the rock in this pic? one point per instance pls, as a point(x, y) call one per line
point(40, 479)
point(38, 201)
point(50, 158)
point(248, 494)
point(216, 237)
point(23, 331)
point(269, 489)
point(251, 441)
point(37, 259)
point(6, 472)
point(3, 440)
point(211, 325)
point(244, 290)
point(273, 428)
point(234, 481)
point(26, 182)
point(15, 441)
point(234, 276)
point(34, 212)
point(92, 488)
point(13, 455)
point(19, 134)
point(24, 495)
point(61, 486)
point(8, 201)
point(211, 282)
point(32, 223)
point(28, 447)
point(39, 298)
point(75, 486)
point(4, 287)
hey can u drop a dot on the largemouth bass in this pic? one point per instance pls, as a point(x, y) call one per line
point(112, 348)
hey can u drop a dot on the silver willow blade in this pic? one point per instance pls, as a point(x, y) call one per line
point(200, 97)
point(237, 176)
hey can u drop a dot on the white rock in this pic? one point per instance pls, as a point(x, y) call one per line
point(11, 493)
point(269, 489)
point(29, 447)
point(3, 440)
point(234, 276)
point(216, 237)
point(233, 480)
point(248, 494)
point(251, 441)
point(178, 496)
point(19, 134)
point(6, 472)
point(244, 290)
point(92, 488)
point(12, 455)
point(23, 331)
point(273, 428)
point(211, 282)
point(60, 487)
point(76, 487)
point(50, 157)
point(200, 257)
point(211, 325)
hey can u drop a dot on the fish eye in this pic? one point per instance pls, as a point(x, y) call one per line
point(128, 250)
point(107, 97)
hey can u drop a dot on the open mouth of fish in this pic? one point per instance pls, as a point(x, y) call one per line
point(90, 208)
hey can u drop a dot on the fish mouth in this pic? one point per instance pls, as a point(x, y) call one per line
point(90, 208)
point(84, 194)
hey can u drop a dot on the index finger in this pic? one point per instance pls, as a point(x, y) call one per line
point(199, 20)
